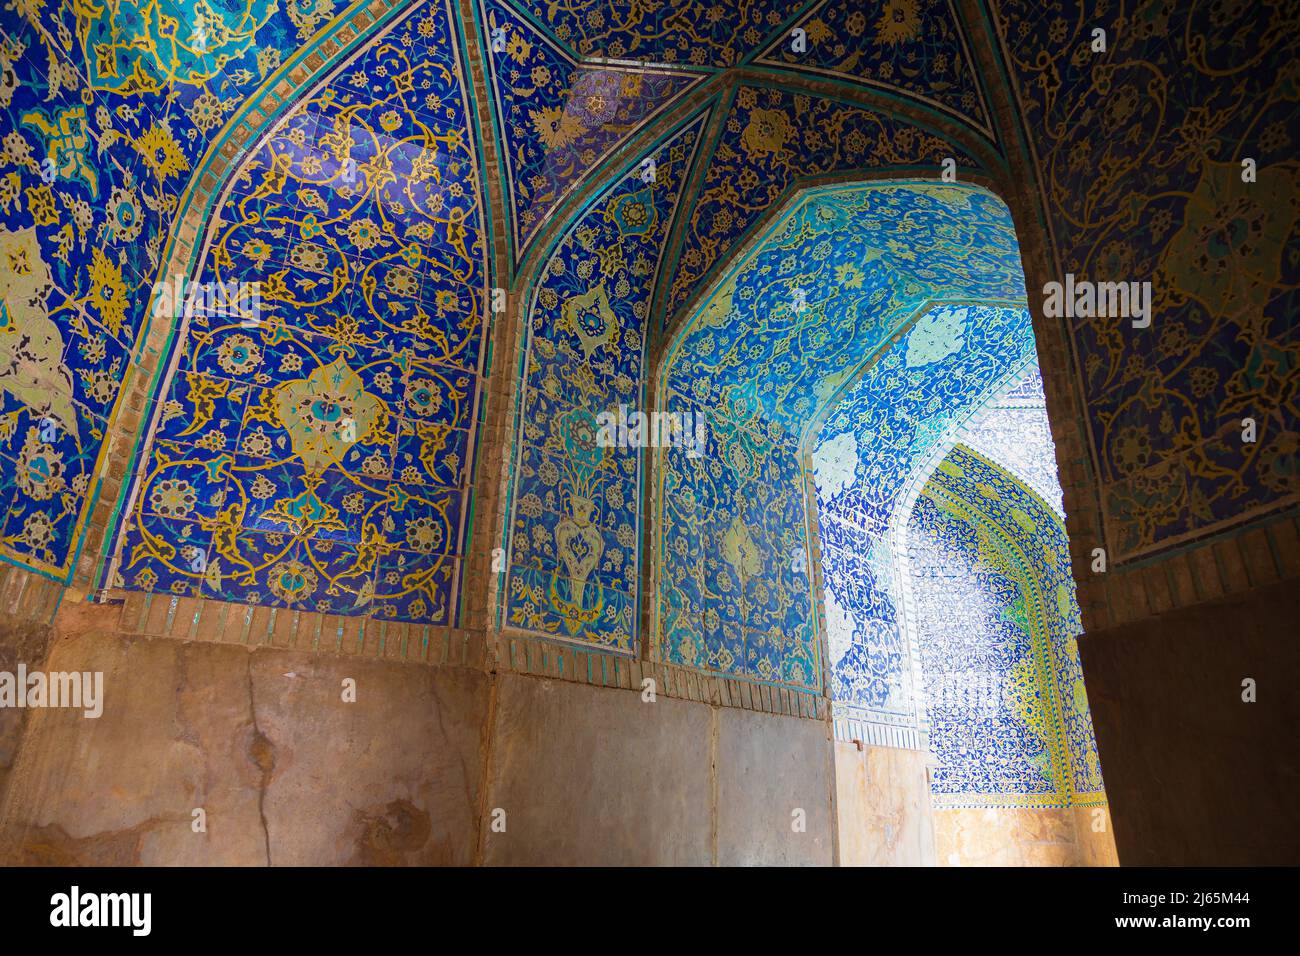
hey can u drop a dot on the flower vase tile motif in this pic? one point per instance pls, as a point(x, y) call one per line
point(557, 117)
point(575, 524)
point(1165, 403)
point(315, 456)
point(105, 112)
point(772, 140)
point(996, 631)
point(782, 332)
point(911, 47)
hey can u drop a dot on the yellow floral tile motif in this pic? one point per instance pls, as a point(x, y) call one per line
point(574, 536)
point(995, 627)
point(1141, 149)
point(326, 413)
point(311, 447)
point(106, 111)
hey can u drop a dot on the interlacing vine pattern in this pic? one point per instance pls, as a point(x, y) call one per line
point(557, 117)
point(105, 112)
point(1141, 150)
point(575, 528)
point(314, 455)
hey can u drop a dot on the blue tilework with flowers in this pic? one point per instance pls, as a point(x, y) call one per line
point(822, 293)
point(884, 427)
point(1140, 151)
point(104, 113)
point(575, 527)
point(315, 456)
point(772, 140)
point(557, 117)
point(701, 33)
point(914, 47)
point(996, 622)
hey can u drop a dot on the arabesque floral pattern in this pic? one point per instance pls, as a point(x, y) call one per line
point(105, 109)
point(1141, 151)
point(914, 47)
point(558, 119)
point(575, 529)
point(824, 293)
point(995, 632)
point(771, 141)
point(317, 457)
point(713, 33)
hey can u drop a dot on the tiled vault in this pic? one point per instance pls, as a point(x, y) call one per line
point(315, 454)
point(995, 622)
point(104, 118)
point(657, 189)
point(829, 290)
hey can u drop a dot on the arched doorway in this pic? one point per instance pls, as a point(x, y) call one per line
point(837, 364)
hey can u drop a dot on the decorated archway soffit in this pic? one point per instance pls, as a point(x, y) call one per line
point(831, 281)
point(906, 279)
point(884, 434)
point(125, 99)
point(1007, 711)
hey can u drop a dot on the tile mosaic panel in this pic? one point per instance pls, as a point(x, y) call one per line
point(105, 112)
point(1140, 150)
point(315, 455)
point(557, 118)
point(995, 627)
point(914, 47)
point(575, 528)
point(823, 293)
